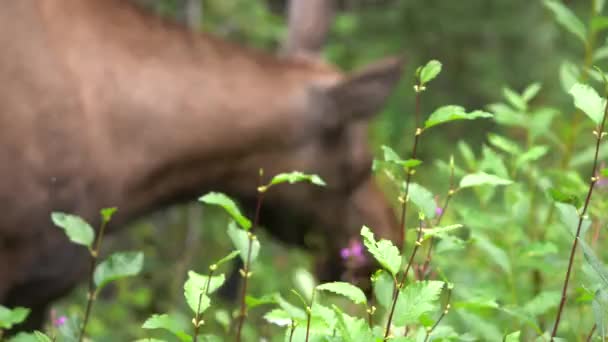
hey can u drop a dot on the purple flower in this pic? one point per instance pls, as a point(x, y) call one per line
point(354, 251)
point(438, 208)
point(59, 321)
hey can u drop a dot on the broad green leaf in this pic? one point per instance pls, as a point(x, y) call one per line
point(594, 261)
point(496, 254)
point(107, 213)
point(451, 113)
point(352, 329)
point(305, 282)
point(296, 177)
point(560, 196)
point(440, 231)
point(570, 218)
point(168, 323)
point(10, 317)
point(567, 19)
point(599, 23)
point(482, 178)
point(416, 299)
point(278, 317)
point(41, 337)
point(117, 266)
point(292, 310)
point(515, 99)
point(347, 290)
point(512, 337)
point(392, 157)
point(587, 100)
point(217, 198)
point(531, 91)
point(77, 229)
point(383, 251)
point(200, 281)
point(196, 299)
point(569, 74)
point(429, 71)
point(423, 199)
point(240, 240)
point(35, 336)
point(504, 144)
point(257, 301)
point(383, 288)
point(227, 258)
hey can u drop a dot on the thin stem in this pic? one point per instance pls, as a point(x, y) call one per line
point(401, 283)
point(245, 271)
point(293, 329)
point(443, 313)
point(370, 314)
point(599, 135)
point(590, 336)
point(309, 315)
point(198, 318)
point(94, 253)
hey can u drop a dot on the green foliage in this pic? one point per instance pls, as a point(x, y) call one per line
point(241, 240)
point(219, 199)
point(428, 72)
point(77, 229)
point(10, 317)
point(118, 266)
point(453, 113)
point(587, 100)
point(347, 290)
point(383, 251)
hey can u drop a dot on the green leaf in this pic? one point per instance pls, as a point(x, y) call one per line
point(423, 199)
point(392, 157)
point(515, 99)
point(504, 144)
point(451, 113)
point(599, 23)
point(587, 100)
point(10, 317)
point(594, 261)
point(240, 240)
point(220, 199)
point(416, 299)
point(352, 329)
point(227, 258)
point(569, 74)
point(567, 19)
point(117, 266)
point(570, 218)
point(533, 154)
point(168, 323)
point(35, 336)
point(600, 308)
point(439, 231)
point(512, 337)
point(77, 229)
point(531, 91)
point(383, 251)
point(292, 310)
point(467, 154)
point(257, 301)
point(296, 177)
point(482, 178)
point(542, 303)
point(496, 254)
point(305, 282)
point(347, 290)
point(41, 337)
point(278, 317)
point(383, 288)
point(195, 289)
point(560, 196)
point(604, 172)
point(429, 71)
point(107, 213)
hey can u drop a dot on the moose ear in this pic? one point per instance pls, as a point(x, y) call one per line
point(363, 93)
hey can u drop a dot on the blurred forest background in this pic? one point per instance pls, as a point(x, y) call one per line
point(484, 45)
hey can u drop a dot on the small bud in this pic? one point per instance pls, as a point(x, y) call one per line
point(451, 192)
point(419, 243)
point(418, 131)
point(242, 273)
point(447, 307)
point(213, 267)
point(262, 188)
point(594, 179)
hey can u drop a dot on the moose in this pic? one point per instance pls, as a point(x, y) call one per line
point(103, 104)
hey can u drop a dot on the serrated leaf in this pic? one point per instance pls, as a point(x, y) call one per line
point(383, 251)
point(195, 290)
point(567, 19)
point(240, 240)
point(423, 199)
point(594, 261)
point(347, 290)
point(587, 100)
point(168, 323)
point(392, 157)
point(10, 317)
point(296, 177)
point(220, 199)
point(352, 329)
point(77, 229)
point(429, 71)
point(227, 258)
point(452, 113)
point(482, 178)
point(570, 218)
point(117, 266)
point(417, 299)
point(439, 231)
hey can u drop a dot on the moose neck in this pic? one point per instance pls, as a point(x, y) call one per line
point(179, 112)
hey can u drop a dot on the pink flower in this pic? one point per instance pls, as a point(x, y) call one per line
point(354, 251)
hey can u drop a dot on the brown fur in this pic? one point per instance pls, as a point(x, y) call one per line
point(104, 105)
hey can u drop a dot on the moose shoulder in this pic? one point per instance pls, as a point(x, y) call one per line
point(105, 105)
